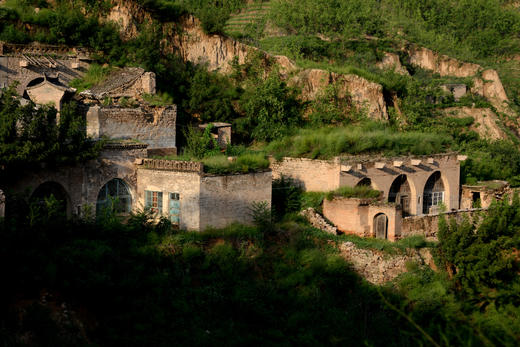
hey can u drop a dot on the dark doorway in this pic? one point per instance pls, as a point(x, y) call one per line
point(400, 193)
point(381, 226)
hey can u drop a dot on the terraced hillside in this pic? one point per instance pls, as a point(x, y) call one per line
point(252, 13)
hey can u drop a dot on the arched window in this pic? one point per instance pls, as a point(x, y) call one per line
point(365, 182)
point(49, 190)
point(381, 226)
point(114, 195)
point(433, 192)
point(400, 193)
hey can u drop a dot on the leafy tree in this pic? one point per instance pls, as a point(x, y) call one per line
point(271, 108)
point(483, 260)
point(31, 135)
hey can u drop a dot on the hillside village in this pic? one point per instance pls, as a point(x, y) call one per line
point(385, 148)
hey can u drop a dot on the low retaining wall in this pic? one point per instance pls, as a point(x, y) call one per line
point(429, 225)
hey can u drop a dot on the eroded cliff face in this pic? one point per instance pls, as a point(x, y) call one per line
point(486, 83)
point(128, 15)
point(487, 123)
point(366, 96)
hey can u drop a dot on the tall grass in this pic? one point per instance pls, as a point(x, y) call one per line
point(326, 143)
point(247, 162)
point(362, 192)
point(95, 75)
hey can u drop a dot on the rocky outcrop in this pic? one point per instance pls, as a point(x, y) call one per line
point(391, 62)
point(486, 82)
point(442, 64)
point(365, 95)
point(379, 268)
point(128, 14)
point(318, 221)
point(216, 51)
point(487, 123)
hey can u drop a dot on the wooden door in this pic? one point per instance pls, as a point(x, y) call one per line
point(381, 226)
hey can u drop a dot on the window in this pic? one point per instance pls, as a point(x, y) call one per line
point(114, 195)
point(174, 208)
point(153, 201)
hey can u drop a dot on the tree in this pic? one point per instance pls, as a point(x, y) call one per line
point(30, 135)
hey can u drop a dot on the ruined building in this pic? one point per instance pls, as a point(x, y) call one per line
point(124, 174)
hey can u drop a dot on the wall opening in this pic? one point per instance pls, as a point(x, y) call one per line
point(400, 193)
point(52, 190)
point(476, 200)
point(114, 196)
point(381, 226)
point(434, 194)
point(365, 182)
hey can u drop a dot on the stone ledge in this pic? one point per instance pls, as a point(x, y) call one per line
point(173, 165)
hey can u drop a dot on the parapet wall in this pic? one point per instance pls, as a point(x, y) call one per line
point(310, 174)
point(155, 126)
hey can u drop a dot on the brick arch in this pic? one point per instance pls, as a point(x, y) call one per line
point(367, 181)
point(47, 188)
point(441, 179)
point(122, 188)
point(396, 191)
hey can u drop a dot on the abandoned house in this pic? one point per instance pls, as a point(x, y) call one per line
point(123, 176)
point(410, 186)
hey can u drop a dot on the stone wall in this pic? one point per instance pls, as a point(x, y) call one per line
point(356, 216)
point(310, 174)
point(155, 126)
point(229, 199)
point(486, 194)
point(186, 184)
point(83, 181)
point(428, 225)
point(318, 221)
point(379, 268)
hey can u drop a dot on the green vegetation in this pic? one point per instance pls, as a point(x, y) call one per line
point(94, 75)
point(361, 192)
point(252, 285)
point(371, 138)
point(30, 135)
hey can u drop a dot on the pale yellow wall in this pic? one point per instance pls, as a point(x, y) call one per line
point(187, 184)
point(311, 175)
point(228, 199)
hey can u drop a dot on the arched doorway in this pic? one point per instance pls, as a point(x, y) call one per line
point(433, 193)
point(365, 182)
point(52, 190)
point(400, 193)
point(115, 195)
point(381, 226)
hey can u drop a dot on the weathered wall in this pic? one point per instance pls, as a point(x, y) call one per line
point(356, 216)
point(45, 94)
point(354, 170)
point(187, 184)
point(377, 267)
point(228, 199)
point(487, 195)
point(311, 175)
point(156, 126)
point(428, 225)
point(82, 182)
